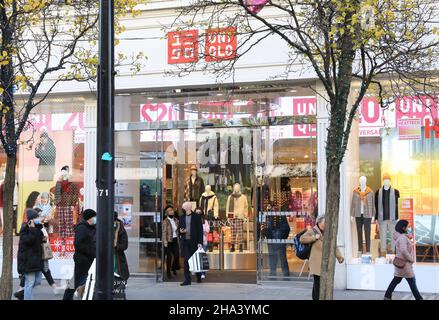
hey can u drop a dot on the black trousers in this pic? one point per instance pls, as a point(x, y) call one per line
point(188, 251)
point(171, 252)
point(316, 288)
point(80, 277)
point(361, 221)
point(397, 280)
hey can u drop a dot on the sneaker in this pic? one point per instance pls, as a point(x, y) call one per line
point(186, 283)
point(174, 272)
point(19, 295)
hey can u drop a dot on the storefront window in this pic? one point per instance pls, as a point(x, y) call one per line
point(50, 170)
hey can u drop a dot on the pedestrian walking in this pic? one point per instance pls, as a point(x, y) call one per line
point(46, 270)
point(403, 261)
point(277, 229)
point(29, 259)
point(206, 230)
point(85, 252)
point(120, 246)
point(191, 233)
point(170, 240)
point(314, 236)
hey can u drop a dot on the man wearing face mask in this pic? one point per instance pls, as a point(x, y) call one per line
point(170, 241)
point(29, 258)
point(85, 252)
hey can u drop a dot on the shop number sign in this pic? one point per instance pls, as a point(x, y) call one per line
point(220, 44)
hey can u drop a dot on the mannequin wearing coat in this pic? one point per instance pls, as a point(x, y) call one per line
point(363, 211)
point(237, 212)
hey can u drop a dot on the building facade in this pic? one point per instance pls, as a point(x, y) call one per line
point(264, 134)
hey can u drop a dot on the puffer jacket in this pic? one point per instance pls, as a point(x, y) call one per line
point(404, 250)
point(29, 258)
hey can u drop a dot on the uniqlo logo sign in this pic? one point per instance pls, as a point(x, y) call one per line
point(221, 44)
point(182, 46)
point(431, 128)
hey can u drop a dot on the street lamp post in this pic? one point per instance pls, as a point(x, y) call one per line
point(105, 154)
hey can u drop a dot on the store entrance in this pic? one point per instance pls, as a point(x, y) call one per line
point(250, 177)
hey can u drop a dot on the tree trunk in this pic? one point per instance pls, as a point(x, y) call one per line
point(331, 230)
point(8, 198)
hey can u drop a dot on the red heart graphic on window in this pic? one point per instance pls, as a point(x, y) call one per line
point(153, 112)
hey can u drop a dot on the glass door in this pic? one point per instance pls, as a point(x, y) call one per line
point(138, 197)
point(287, 199)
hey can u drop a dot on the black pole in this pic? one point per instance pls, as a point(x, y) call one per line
point(105, 154)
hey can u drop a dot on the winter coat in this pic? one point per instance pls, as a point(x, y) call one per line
point(167, 235)
point(239, 207)
point(369, 208)
point(196, 232)
point(277, 227)
point(209, 204)
point(48, 156)
point(315, 258)
point(193, 191)
point(29, 258)
point(404, 250)
point(66, 193)
point(121, 244)
point(85, 243)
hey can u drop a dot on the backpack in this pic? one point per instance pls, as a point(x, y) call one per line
point(303, 250)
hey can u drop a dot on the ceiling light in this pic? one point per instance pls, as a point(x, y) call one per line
point(293, 159)
point(306, 156)
point(150, 98)
point(292, 90)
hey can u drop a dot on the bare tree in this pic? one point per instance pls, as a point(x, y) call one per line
point(41, 38)
point(387, 47)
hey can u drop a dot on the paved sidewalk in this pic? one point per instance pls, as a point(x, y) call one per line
point(146, 289)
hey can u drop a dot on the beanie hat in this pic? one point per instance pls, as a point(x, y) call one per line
point(31, 214)
point(88, 213)
point(386, 176)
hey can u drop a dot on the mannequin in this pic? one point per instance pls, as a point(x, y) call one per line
point(386, 208)
point(66, 198)
point(237, 211)
point(363, 210)
point(209, 203)
point(193, 186)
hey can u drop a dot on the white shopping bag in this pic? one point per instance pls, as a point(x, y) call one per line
point(195, 262)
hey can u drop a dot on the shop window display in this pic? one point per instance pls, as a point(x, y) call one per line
point(50, 169)
point(408, 190)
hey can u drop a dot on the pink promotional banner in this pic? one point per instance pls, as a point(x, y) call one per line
point(254, 6)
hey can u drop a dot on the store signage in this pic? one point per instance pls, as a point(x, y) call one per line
point(57, 121)
point(409, 129)
point(182, 46)
point(431, 129)
point(57, 244)
point(221, 44)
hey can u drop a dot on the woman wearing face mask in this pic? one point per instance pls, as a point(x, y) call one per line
point(29, 258)
point(206, 230)
point(404, 253)
point(170, 241)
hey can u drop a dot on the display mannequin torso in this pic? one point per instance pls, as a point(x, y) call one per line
point(237, 205)
point(209, 204)
point(386, 203)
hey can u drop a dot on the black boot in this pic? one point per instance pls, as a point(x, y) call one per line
point(232, 249)
point(240, 247)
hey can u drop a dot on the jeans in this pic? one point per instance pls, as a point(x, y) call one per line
point(361, 221)
point(386, 226)
point(411, 282)
point(32, 279)
point(316, 288)
point(171, 256)
point(276, 251)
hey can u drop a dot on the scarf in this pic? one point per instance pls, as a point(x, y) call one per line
point(392, 204)
point(204, 202)
point(65, 184)
point(363, 194)
point(234, 197)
